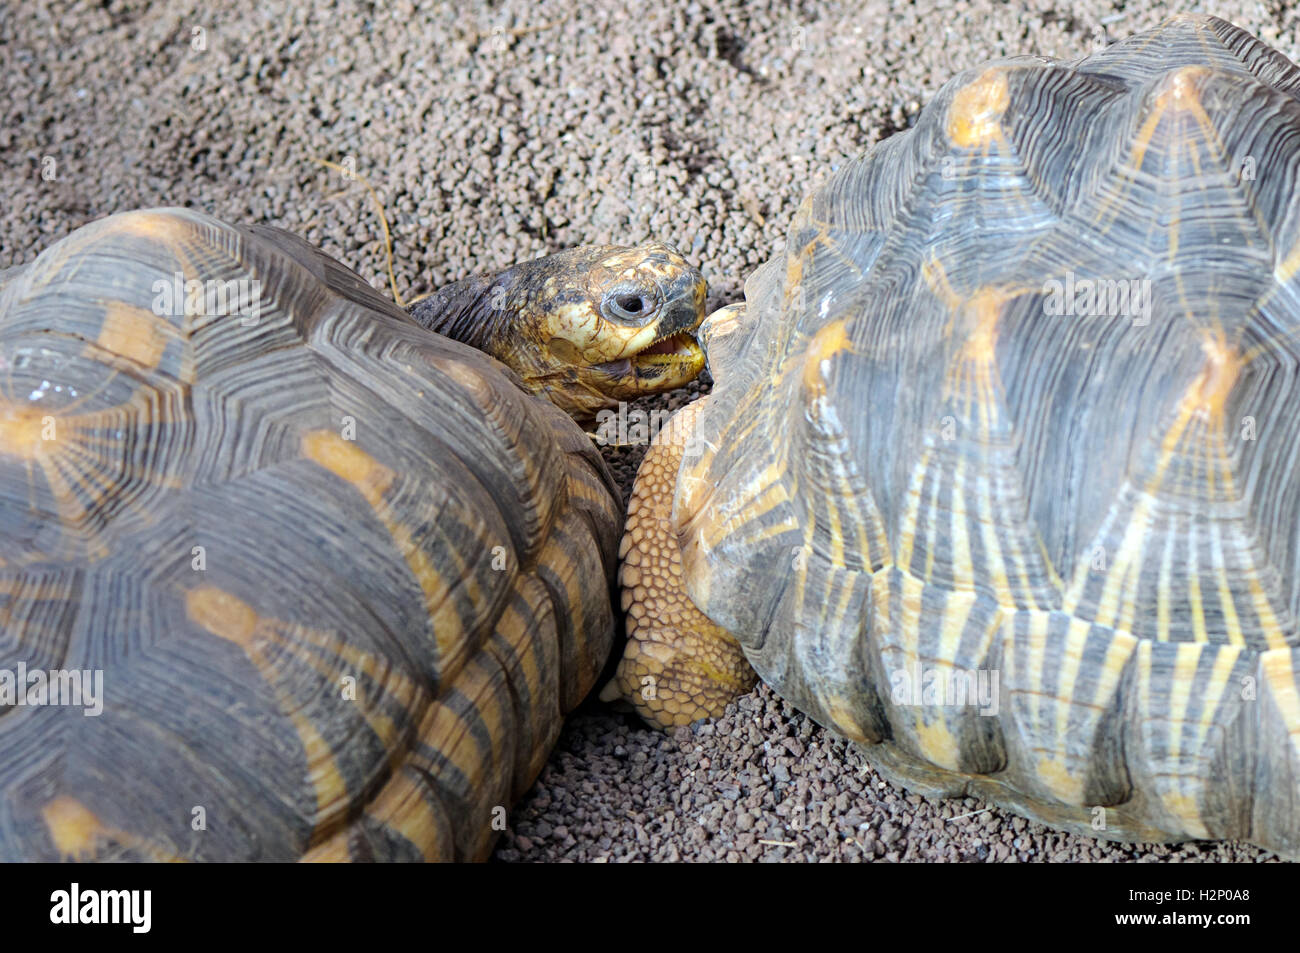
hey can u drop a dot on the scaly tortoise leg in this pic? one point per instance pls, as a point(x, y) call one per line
point(678, 666)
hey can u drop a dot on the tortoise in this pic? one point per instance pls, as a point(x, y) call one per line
point(997, 477)
point(305, 580)
point(911, 473)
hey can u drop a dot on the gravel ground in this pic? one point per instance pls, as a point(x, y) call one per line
point(508, 131)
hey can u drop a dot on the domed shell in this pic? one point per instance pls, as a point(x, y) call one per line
point(330, 579)
point(999, 474)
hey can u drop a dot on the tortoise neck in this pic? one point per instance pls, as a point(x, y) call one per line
point(478, 311)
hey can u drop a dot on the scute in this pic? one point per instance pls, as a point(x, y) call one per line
point(310, 546)
point(1089, 509)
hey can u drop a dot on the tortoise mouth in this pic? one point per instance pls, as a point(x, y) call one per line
point(673, 349)
point(673, 361)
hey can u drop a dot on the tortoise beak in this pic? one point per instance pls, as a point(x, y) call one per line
point(684, 312)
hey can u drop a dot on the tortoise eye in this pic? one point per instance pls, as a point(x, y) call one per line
point(629, 306)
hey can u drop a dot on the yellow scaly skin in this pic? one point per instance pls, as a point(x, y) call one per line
point(677, 666)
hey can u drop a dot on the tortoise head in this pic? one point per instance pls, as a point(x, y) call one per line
point(588, 327)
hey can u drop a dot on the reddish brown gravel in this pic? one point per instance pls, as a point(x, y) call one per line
point(498, 132)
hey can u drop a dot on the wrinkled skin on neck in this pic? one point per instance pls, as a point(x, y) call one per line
point(586, 328)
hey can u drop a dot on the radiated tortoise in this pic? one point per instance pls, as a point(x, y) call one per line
point(331, 579)
point(999, 475)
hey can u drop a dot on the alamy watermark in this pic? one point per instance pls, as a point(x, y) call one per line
point(629, 425)
point(132, 908)
point(946, 687)
point(632, 426)
point(212, 297)
point(56, 687)
point(1123, 297)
